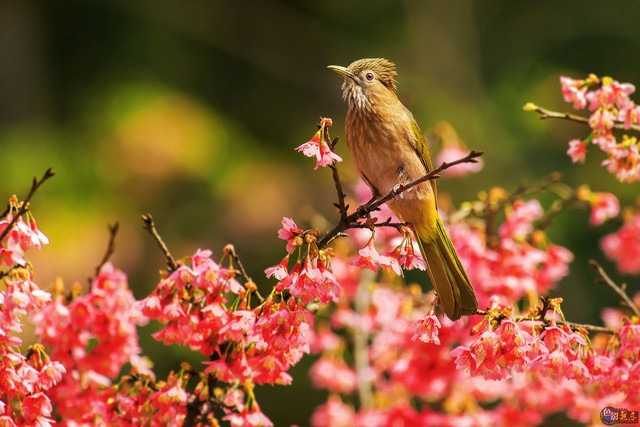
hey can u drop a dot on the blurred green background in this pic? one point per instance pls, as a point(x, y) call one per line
point(191, 111)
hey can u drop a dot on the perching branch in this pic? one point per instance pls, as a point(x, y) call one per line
point(617, 289)
point(342, 207)
point(24, 207)
point(150, 226)
point(111, 248)
point(548, 114)
point(351, 221)
point(574, 326)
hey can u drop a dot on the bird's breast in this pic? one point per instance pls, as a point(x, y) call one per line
point(385, 156)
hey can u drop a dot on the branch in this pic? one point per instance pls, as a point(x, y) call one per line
point(25, 204)
point(364, 210)
point(111, 248)
point(342, 207)
point(617, 289)
point(231, 251)
point(150, 226)
point(548, 114)
point(574, 326)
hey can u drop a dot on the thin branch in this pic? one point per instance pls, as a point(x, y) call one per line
point(617, 289)
point(111, 248)
point(25, 203)
point(574, 326)
point(231, 251)
point(364, 210)
point(150, 226)
point(548, 114)
point(342, 207)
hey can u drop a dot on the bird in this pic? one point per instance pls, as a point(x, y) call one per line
point(388, 148)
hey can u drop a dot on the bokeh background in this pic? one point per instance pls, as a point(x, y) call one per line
point(191, 111)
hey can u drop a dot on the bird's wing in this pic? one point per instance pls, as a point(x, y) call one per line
point(420, 145)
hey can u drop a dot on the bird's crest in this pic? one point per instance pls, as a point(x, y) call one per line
point(384, 69)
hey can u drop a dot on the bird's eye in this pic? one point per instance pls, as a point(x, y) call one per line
point(369, 76)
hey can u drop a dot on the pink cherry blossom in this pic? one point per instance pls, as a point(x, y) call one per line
point(317, 147)
point(577, 150)
point(604, 206)
point(623, 246)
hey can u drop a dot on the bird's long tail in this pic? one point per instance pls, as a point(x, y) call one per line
point(450, 280)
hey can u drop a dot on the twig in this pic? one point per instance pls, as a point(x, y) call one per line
point(150, 226)
point(574, 326)
point(617, 289)
point(548, 114)
point(231, 251)
point(364, 210)
point(342, 207)
point(25, 203)
point(111, 248)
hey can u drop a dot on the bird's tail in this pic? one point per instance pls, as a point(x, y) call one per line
point(450, 280)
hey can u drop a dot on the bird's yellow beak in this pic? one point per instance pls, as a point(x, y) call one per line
point(343, 71)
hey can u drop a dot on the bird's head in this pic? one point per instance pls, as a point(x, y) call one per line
point(366, 81)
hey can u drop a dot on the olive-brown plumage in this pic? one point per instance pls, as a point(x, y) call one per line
point(388, 148)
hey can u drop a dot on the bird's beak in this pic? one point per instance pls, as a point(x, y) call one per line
point(343, 71)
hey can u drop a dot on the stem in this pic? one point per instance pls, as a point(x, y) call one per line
point(574, 326)
point(25, 204)
point(111, 248)
point(617, 289)
point(548, 114)
point(150, 226)
point(364, 210)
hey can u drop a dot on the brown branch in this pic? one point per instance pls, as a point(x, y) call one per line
point(342, 207)
point(231, 251)
point(548, 114)
point(365, 210)
point(617, 289)
point(150, 226)
point(25, 203)
point(574, 326)
point(111, 248)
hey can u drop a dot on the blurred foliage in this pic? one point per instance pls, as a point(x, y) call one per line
point(191, 110)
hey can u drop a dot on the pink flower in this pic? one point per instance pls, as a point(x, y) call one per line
point(279, 271)
point(623, 246)
point(370, 258)
point(629, 116)
point(577, 150)
point(604, 206)
point(313, 280)
point(426, 329)
point(291, 233)
point(253, 417)
point(318, 148)
point(574, 91)
point(624, 160)
point(334, 375)
point(334, 413)
point(602, 120)
point(519, 222)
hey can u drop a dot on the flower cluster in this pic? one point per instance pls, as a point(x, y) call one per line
point(25, 380)
point(610, 106)
point(518, 262)
point(93, 335)
point(205, 307)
